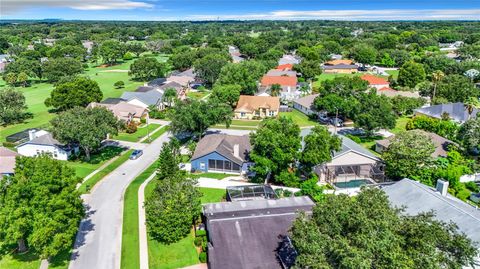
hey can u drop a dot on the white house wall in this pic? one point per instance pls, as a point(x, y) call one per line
point(31, 150)
point(351, 158)
point(138, 103)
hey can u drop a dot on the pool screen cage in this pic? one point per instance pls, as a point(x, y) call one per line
point(250, 192)
point(345, 173)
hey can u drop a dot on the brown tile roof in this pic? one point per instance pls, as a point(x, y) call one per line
point(7, 163)
point(285, 67)
point(282, 80)
point(374, 80)
point(248, 103)
point(122, 110)
point(337, 62)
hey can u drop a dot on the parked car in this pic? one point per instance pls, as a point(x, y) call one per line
point(323, 118)
point(336, 122)
point(136, 154)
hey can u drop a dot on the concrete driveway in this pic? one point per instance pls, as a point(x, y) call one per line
point(99, 239)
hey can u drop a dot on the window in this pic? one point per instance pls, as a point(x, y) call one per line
point(211, 164)
point(271, 113)
point(202, 165)
point(242, 114)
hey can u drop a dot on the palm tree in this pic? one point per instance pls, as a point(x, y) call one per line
point(275, 89)
point(470, 104)
point(436, 77)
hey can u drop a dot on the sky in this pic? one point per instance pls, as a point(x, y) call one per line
point(164, 10)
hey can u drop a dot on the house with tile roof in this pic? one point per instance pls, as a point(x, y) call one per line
point(124, 111)
point(145, 99)
point(289, 59)
point(375, 82)
point(7, 163)
point(305, 104)
point(222, 153)
point(42, 142)
point(339, 67)
point(285, 67)
point(251, 107)
point(289, 85)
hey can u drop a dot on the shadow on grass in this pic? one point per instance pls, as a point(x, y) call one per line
point(104, 154)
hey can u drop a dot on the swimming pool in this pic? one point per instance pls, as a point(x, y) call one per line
point(356, 183)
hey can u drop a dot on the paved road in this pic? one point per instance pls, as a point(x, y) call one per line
point(99, 240)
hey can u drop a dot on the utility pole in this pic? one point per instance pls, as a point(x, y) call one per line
point(335, 122)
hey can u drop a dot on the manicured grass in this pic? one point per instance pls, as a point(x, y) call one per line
point(157, 134)
point(319, 79)
point(299, 118)
point(234, 127)
point(212, 195)
point(83, 168)
point(393, 73)
point(214, 175)
point(19, 261)
point(130, 241)
point(252, 123)
point(139, 134)
point(401, 124)
point(197, 95)
point(176, 255)
point(367, 142)
point(90, 183)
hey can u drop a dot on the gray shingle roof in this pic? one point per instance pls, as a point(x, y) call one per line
point(157, 82)
point(148, 98)
point(247, 234)
point(144, 89)
point(223, 144)
point(456, 111)
point(340, 66)
point(418, 198)
point(349, 145)
point(306, 101)
point(113, 101)
point(46, 139)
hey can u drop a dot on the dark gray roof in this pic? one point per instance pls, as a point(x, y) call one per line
point(46, 139)
point(171, 84)
point(340, 66)
point(144, 89)
point(223, 144)
point(306, 101)
point(349, 145)
point(418, 198)
point(148, 98)
point(247, 234)
point(157, 82)
point(456, 111)
point(187, 73)
point(113, 101)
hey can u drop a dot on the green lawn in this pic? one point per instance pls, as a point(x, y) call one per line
point(319, 79)
point(299, 118)
point(393, 73)
point(157, 134)
point(197, 95)
point(139, 134)
point(36, 94)
point(367, 142)
point(212, 195)
point(214, 175)
point(31, 261)
point(130, 242)
point(400, 125)
point(83, 168)
point(90, 183)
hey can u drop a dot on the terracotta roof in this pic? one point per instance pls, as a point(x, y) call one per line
point(285, 67)
point(7, 165)
point(282, 80)
point(374, 80)
point(248, 103)
point(337, 62)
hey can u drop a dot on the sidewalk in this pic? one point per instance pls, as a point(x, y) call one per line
point(142, 228)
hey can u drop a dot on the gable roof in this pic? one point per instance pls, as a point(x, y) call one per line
point(248, 103)
point(456, 111)
point(171, 84)
point(374, 80)
point(223, 144)
point(113, 101)
point(148, 98)
point(306, 101)
point(339, 62)
point(157, 82)
point(282, 80)
point(278, 73)
point(285, 67)
point(289, 59)
point(418, 198)
point(7, 165)
point(144, 89)
point(181, 81)
point(46, 140)
point(349, 145)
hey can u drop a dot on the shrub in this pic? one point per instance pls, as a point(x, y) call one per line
point(143, 120)
point(198, 241)
point(202, 257)
point(445, 128)
point(8, 144)
point(200, 233)
point(204, 245)
point(128, 56)
point(472, 186)
point(119, 84)
point(131, 128)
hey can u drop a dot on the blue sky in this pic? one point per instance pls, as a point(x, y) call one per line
point(241, 10)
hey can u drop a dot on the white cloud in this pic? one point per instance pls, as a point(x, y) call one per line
point(385, 14)
point(13, 6)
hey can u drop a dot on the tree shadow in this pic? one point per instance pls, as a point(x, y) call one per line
point(86, 226)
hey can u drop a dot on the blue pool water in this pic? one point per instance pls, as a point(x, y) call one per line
point(357, 183)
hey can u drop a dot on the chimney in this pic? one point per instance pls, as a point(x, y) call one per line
point(442, 187)
point(31, 134)
point(236, 150)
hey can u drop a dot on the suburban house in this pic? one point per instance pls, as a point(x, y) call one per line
point(7, 163)
point(289, 59)
point(284, 67)
point(455, 111)
point(235, 54)
point(253, 233)
point(145, 99)
point(222, 153)
point(43, 142)
point(250, 107)
point(124, 111)
point(279, 73)
point(156, 82)
point(287, 83)
point(305, 104)
point(389, 92)
point(339, 67)
point(441, 144)
point(375, 82)
point(351, 166)
point(418, 198)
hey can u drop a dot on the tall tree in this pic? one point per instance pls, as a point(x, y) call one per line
point(78, 92)
point(471, 104)
point(87, 127)
point(308, 69)
point(319, 145)
point(39, 206)
point(437, 76)
point(57, 68)
point(169, 159)
point(364, 53)
point(364, 232)
point(111, 51)
point(275, 90)
point(228, 94)
point(469, 134)
point(12, 106)
point(169, 96)
point(245, 74)
point(410, 74)
point(275, 147)
point(375, 112)
point(456, 88)
point(146, 68)
point(208, 67)
point(136, 48)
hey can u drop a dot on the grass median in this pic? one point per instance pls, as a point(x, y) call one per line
point(90, 183)
point(130, 241)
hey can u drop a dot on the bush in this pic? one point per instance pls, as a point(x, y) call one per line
point(128, 56)
point(143, 120)
point(131, 128)
point(198, 241)
point(119, 84)
point(8, 144)
point(354, 138)
point(202, 257)
point(472, 186)
point(204, 245)
point(200, 233)
point(445, 128)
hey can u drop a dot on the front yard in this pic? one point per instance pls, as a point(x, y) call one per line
point(142, 131)
point(299, 118)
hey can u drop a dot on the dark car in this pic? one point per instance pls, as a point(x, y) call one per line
point(136, 154)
